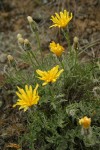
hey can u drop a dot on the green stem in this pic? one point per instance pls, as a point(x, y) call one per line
point(35, 58)
point(60, 60)
point(29, 54)
point(39, 44)
point(38, 40)
point(35, 31)
point(66, 35)
point(52, 96)
point(62, 64)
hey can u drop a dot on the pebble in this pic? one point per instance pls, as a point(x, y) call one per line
point(89, 31)
point(80, 17)
point(85, 35)
point(3, 58)
point(95, 36)
point(92, 16)
point(85, 41)
point(92, 23)
point(95, 3)
point(94, 29)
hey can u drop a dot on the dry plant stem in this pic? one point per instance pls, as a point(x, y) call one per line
point(84, 48)
point(91, 44)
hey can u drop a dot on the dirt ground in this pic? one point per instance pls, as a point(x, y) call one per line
point(13, 20)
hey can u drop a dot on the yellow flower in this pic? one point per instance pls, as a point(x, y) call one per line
point(56, 48)
point(61, 20)
point(85, 122)
point(27, 97)
point(49, 76)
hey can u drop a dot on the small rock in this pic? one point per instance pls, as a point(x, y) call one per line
point(85, 35)
point(95, 3)
point(92, 16)
point(45, 1)
point(95, 36)
point(94, 29)
point(81, 17)
point(97, 27)
point(3, 58)
point(4, 135)
point(92, 23)
point(89, 31)
point(85, 41)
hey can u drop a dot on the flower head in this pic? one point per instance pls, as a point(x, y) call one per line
point(49, 76)
point(85, 122)
point(61, 20)
point(27, 97)
point(56, 48)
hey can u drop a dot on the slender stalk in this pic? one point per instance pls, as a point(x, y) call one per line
point(38, 42)
point(67, 38)
point(52, 96)
point(29, 54)
point(60, 60)
point(34, 57)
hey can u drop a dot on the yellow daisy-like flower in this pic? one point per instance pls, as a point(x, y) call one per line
point(27, 97)
point(85, 122)
point(49, 76)
point(56, 48)
point(61, 20)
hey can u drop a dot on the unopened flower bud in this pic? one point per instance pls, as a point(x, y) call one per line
point(76, 39)
point(10, 58)
point(27, 45)
point(19, 36)
point(33, 24)
point(11, 61)
point(21, 40)
point(29, 18)
point(75, 43)
point(26, 41)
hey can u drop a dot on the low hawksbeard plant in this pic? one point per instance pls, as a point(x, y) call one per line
point(56, 92)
